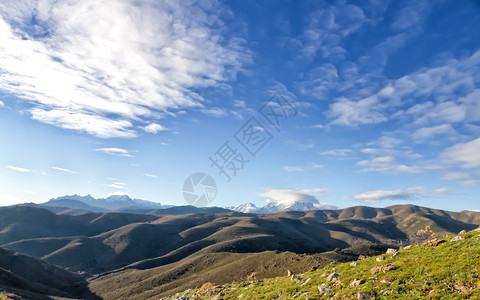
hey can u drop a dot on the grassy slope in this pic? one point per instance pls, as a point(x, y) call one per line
point(219, 268)
point(449, 271)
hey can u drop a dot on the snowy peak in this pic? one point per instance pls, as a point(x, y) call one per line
point(247, 208)
point(114, 202)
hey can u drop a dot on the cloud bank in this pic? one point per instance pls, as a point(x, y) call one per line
point(105, 68)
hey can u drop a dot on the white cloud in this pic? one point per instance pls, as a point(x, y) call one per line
point(456, 176)
point(431, 133)
point(318, 126)
point(467, 155)
point(216, 112)
point(390, 165)
point(150, 175)
point(287, 198)
point(307, 167)
point(1, 104)
point(101, 70)
point(337, 152)
point(239, 104)
point(411, 193)
point(154, 128)
point(353, 113)
point(64, 170)
point(23, 170)
point(115, 186)
point(115, 151)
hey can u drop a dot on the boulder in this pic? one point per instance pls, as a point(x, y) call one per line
point(457, 238)
point(433, 243)
point(333, 276)
point(391, 250)
point(357, 282)
point(462, 232)
point(363, 296)
point(323, 289)
point(384, 268)
point(380, 258)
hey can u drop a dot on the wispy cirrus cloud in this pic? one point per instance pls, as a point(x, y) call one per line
point(115, 151)
point(410, 193)
point(64, 170)
point(19, 169)
point(81, 69)
point(302, 168)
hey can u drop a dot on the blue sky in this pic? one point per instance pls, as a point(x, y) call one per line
point(111, 97)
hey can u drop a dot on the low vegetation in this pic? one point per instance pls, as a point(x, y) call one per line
point(448, 268)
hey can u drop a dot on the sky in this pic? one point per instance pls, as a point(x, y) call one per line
point(336, 103)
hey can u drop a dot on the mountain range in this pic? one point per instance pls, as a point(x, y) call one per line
point(154, 254)
point(76, 204)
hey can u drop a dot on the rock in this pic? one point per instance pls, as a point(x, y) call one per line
point(384, 268)
point(478, 229)
point(357, 282)
point(380, 258)
point(332, 276)
point(306, 281)
point(217, 296)
point(395, 254)
point(407, 247)
point(433, 243)
point(457, 238)
point(363, 296)
point(391, 250)
point(462, 232)
point(362, 257)
point(289, 273)
point(323, 289)
point(293, 277)
point(353, 264)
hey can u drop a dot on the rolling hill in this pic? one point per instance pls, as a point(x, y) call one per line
point(113, 244)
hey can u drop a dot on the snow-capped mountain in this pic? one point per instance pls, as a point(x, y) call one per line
point(275, 207)
point(114, 202)
point(247, 208)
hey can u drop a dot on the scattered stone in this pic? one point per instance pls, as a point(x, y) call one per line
point(362, 257)
point(395, 254)
point(380, 258)
point(433, 243)
point(391, 250)
point(407, 247)
point(217, 296)
point(457, 238)
point(332, 276)
point(363, 296)
point(462, 232)
point(478, 229)
point(306, 281)
point(289, 273)
point(384, 268)
point(353, 264)
point(323, 289)
point(357, 282)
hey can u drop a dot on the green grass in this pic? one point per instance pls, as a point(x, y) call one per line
point(449, 271)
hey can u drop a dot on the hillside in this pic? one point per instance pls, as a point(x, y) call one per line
point(99, 242)
point(31, 278)
point(446, 269)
